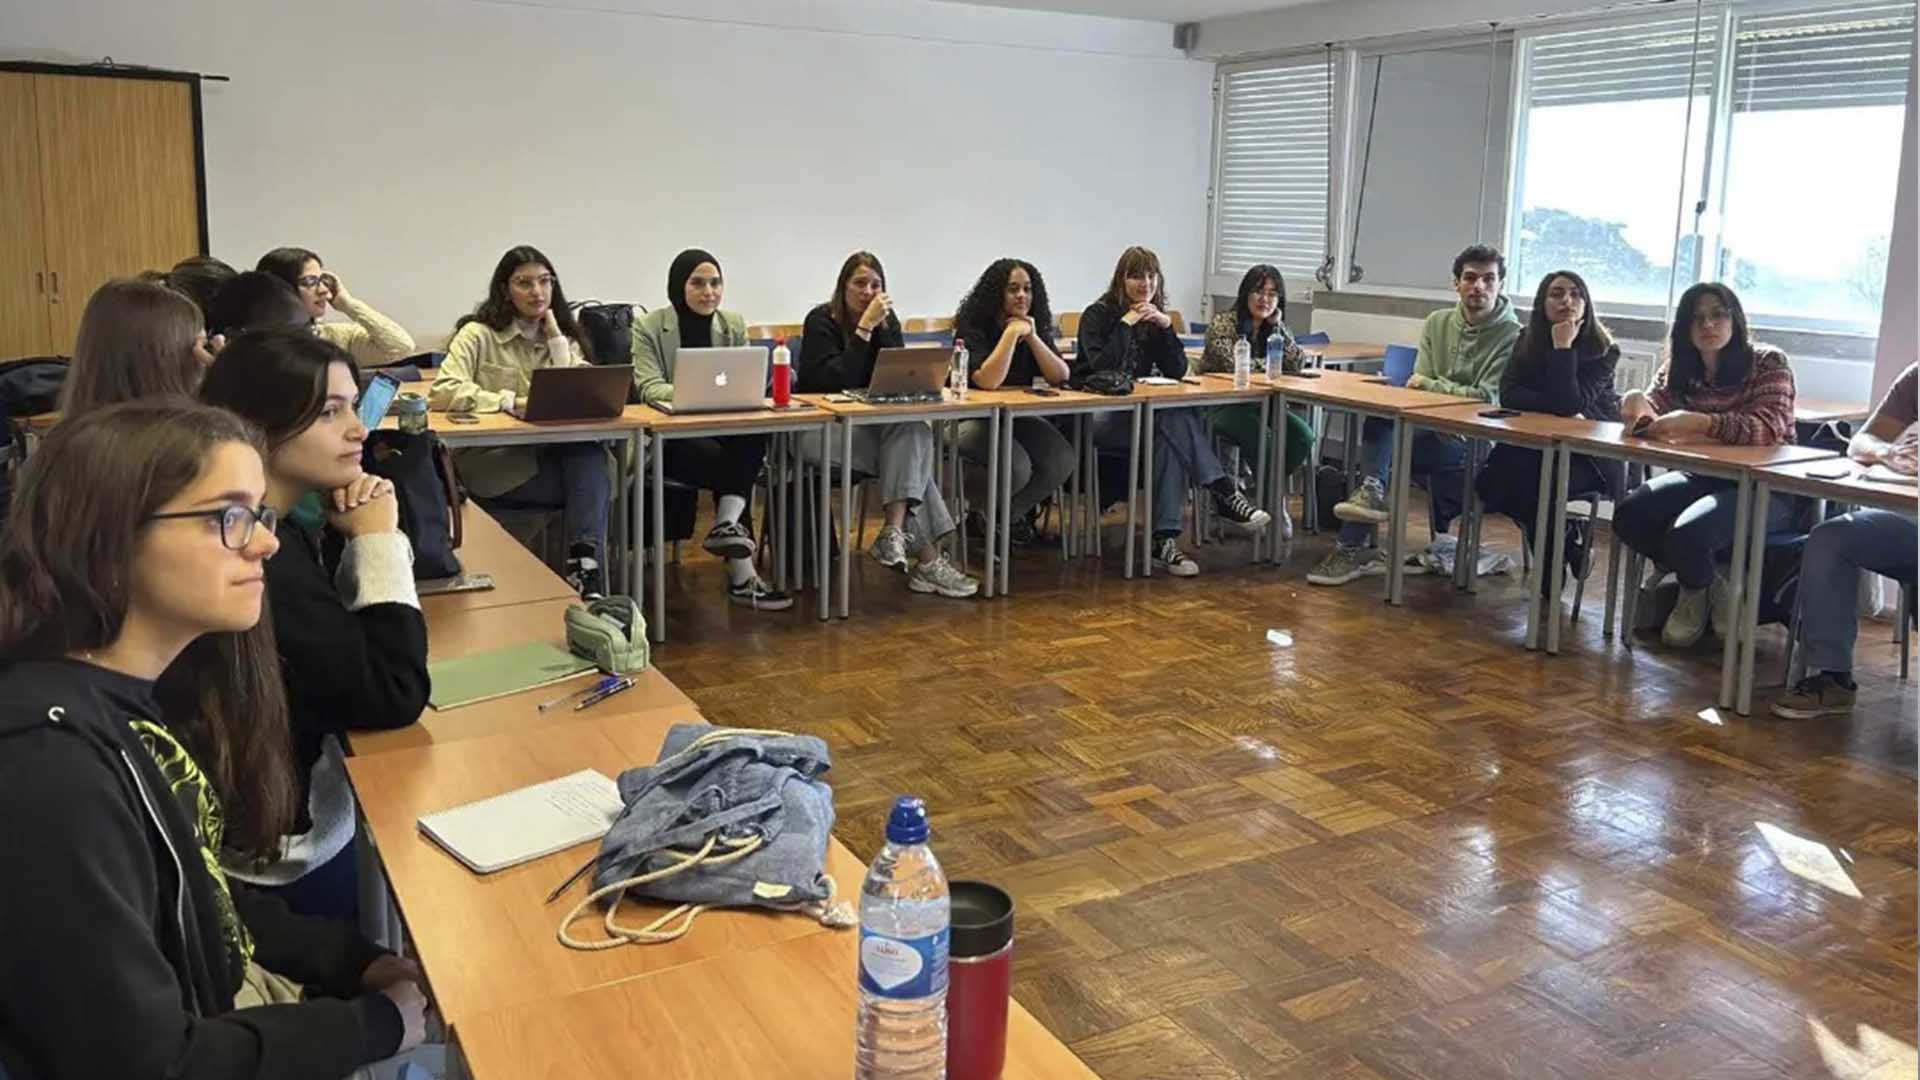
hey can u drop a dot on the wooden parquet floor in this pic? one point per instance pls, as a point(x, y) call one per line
point(1403, 847)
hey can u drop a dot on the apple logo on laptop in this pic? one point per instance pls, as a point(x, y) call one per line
point(720, 380)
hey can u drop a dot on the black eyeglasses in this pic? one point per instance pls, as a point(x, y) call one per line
point(236, 522)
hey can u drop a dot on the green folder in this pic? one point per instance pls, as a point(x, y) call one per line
point(488, 675)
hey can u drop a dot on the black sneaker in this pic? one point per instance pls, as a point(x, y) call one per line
point(1239, 512)
point(584, 571)
point(1024, 531)
point(1579, 548)
point(729, 540)
point(758, 595)
point(976, 525)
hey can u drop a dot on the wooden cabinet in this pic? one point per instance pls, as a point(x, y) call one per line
point(100, 177)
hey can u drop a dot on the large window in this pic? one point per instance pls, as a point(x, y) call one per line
point(1270, 188)
point(1757, 144)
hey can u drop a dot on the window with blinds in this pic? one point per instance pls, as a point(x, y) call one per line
point(1776, 174)
point(1270, 191)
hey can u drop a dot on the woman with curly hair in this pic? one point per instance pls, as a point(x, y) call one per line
point(1128, 330)
point(1008, 327)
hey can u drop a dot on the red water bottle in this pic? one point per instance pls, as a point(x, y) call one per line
point(782, 375)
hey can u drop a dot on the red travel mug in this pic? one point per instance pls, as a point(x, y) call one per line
point(782, 376)
point(979, 981)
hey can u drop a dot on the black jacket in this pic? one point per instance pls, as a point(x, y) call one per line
point(112, 959)
point(1022, 366)
point(1555, 381)
point(832, 359)
point(345, 670)
point(1106, 343)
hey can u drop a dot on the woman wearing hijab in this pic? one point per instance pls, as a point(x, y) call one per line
point(727, 466)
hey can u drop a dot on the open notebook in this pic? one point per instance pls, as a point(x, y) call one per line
point(527, 824)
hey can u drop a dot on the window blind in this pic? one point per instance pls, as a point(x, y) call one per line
point(1651, 59)
point(1836, 56)
point(1270, 199)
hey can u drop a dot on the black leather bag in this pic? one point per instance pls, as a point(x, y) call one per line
point(1109, 382)
point(421, 469)
point(608, 329)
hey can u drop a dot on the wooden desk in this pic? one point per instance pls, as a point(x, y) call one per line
point(804, 416)
point(491, 942)
point(852, 414)
point(1798, 478)
point(1079, 405)
point(463, 633)
point(1815, 411)
point(785, 1010)
point(1735, 463)
point(518, 577)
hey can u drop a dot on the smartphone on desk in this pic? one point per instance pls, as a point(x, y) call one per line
point(376, 398)
point(1499, 414)
point(1043, 391)
point(1832, 472)
point(1304, 375)
point(457, 584)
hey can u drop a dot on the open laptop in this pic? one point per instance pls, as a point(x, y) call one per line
point(575, 393)
point(718, 380)
point(912, 375)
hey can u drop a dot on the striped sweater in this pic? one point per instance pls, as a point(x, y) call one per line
point(1755, 412)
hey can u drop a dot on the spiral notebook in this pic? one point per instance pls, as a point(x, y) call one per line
point(527, 824)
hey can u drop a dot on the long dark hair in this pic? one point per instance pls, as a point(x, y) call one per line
point(136, 341)
point(1685, 367)
point(275, 380)
point(980, 308)
point(199, 278)
point(286, 263)
point(1136, 260)
point(1593, 338)
point(253, 300)
point(837, 307)
point(66, 563)
point(497, 310)
point(1256, 277)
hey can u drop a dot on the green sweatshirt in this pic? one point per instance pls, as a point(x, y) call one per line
point(1457, 357)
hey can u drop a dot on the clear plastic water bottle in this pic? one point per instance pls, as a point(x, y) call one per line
point(1276, 355)
point(957, 378)
point(905, 914)
point(1242, 364)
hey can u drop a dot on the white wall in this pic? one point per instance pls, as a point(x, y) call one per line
point(410, 142)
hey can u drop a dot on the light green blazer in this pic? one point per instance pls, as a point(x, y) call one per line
point(656, 342)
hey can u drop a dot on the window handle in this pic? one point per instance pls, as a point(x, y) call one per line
point(56, 285)
point(40, 282)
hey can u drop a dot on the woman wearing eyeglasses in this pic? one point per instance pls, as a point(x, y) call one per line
point(372, 338)
point(129, 952)
point(1716, 385)
point(353, 644)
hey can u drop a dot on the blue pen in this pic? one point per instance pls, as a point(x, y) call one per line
point(604, 684)
point(599, 696)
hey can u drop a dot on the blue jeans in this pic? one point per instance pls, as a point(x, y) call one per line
point(1442, 457)
point(575, 477)
point(1837, 551)
point(1183, 457)
point(1684, 522)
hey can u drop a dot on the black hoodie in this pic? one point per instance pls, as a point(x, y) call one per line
point(113, 962)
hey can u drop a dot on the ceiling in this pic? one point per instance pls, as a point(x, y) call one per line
point(1165, 11)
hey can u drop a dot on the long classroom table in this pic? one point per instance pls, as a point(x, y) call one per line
point(1815, 479)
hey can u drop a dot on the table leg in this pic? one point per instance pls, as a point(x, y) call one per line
point(776, 509)
point(1276, 466)
point(1005, 536)
point(659, 540)
point(1540, 522)
point(1146, 496)
point(1133, 477)
point(846, 518)
point(1402, 450)
point(990, 543)
point(1463, 549)
point(1477, 516)
point(636, 542)
point(1746, 627)
point(1557, 570)
point(1350, 454)
point(1070, 516)
point(823, 514)
point(1736, 578)
point(1266, 491)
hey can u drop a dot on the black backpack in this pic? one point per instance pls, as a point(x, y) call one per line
point(28, 387)
point(608, 329)
point(421, 469)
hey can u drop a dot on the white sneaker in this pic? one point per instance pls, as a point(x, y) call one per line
point(941, 576)
point(1688, 623)
point(1286, 520)
point(890, 548)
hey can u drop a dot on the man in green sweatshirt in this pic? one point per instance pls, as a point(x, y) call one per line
point(1463, 350)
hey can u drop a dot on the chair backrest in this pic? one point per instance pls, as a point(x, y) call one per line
point(929, 324)
point(1069, 324)
point(1180, 322)
point(1400, 361)
point(929, 337)
point(1318, 337)
point(770, 332)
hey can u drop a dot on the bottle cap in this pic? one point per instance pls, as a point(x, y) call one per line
point(908, 822)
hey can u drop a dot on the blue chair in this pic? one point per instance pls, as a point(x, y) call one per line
point(1400, 361)
point(1318, 337)
point(928, 337)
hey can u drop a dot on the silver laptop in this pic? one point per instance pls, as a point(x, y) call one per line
point(913, 375)
point(718, 380)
